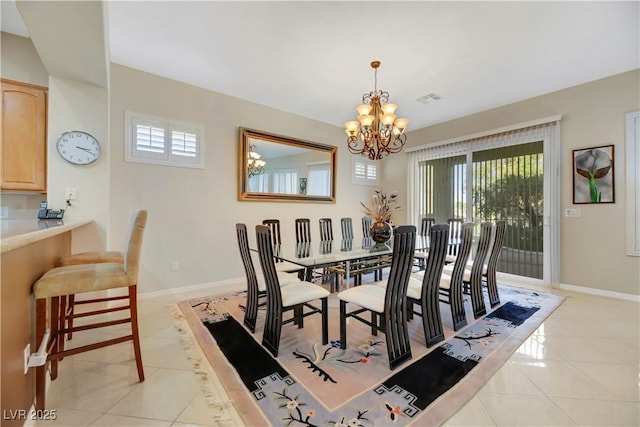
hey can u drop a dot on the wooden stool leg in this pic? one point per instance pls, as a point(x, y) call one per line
point(133, 304)
point(55, 331)
point(41, 371)
point(69, 315)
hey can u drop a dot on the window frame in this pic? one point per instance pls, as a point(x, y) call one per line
point(167, 157)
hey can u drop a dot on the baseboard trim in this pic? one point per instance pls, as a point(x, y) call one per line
point(600, 292)
point(221, 286)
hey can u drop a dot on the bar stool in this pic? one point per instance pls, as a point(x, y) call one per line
point(62, 282)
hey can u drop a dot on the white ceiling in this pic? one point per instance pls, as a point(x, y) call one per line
point(312, 58)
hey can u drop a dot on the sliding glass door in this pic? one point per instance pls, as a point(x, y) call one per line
point(505, 183)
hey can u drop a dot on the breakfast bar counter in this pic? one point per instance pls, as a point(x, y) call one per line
point(29, 249)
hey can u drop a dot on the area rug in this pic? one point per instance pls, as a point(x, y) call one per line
point(313, 384)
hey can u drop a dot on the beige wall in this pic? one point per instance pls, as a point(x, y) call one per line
point(192, 212)
point(592, 247)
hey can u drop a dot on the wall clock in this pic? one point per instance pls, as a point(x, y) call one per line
point(77, 147)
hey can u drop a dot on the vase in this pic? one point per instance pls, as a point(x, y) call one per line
point(381, 231)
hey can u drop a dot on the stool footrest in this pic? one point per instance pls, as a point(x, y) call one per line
point(95, 312)
point(95, 325)
point(89, 347)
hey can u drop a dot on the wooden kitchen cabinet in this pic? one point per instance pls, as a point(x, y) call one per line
point(23, 137)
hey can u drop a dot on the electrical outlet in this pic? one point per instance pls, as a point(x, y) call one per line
point(27, 355)
point(175, 266)
point(70, 194)
point(4, 212)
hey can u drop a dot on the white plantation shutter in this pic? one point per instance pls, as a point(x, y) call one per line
point(162, 141)
point(365, 171)
point(285, 181)
point(183, 144)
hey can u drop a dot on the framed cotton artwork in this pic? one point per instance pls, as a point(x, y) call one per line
point(593, 172)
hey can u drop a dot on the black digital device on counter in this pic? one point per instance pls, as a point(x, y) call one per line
point(45, 213)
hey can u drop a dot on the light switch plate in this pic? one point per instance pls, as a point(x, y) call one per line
point(4, 212)
point(572, 212)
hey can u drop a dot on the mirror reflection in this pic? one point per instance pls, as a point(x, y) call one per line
point(279, 168)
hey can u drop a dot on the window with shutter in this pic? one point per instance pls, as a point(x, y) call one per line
point(365, 171)
point(162, 141)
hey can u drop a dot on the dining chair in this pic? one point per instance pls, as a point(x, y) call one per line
point(425, 293)
point(452, 280)
point(326, 229)
point(421, 255)
point(284, 266)
point(387, 305)
point(489, 271)
point(62, 282)
point(303, 230)
point(256, 286)
point(346, 225)
point(293, 297)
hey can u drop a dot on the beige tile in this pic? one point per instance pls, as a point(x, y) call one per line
point(65, 418)
point(561, 379)
point(619, 380)
point(159, 352)
point(163, 395)
point(92, 386)
point(509, 380)
point(117, 421)
point(599, 413)
point(510, 410)
point(473, 414)
point(534, 349)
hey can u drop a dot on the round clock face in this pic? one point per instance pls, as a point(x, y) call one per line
point(78, 147)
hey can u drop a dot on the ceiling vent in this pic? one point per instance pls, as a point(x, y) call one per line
point(428, 98)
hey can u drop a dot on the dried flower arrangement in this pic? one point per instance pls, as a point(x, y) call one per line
point(382, 207)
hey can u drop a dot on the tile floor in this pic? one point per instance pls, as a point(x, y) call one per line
point(579, 368)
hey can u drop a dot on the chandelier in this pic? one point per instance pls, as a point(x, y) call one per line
point(255, 166)
point(378, 132)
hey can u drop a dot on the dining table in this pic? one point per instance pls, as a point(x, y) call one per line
point(346, 253)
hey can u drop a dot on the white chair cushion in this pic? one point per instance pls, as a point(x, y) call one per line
point(450, 259)
point(287, 266)
point(370, 297)
point(296, 293)
point(415, 288)
point(448, 270)
point(421, 254)
point(445, 282)
point(283, 278)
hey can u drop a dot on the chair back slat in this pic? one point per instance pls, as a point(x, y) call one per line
point(367, 223)
point(455, 235)
point(303, 230)
point(438, 244)
point(425, 225)
point(274, 226)
point(346, 225)
point(404, 243)
point(326, 229)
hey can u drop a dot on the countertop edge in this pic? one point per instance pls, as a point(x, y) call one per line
point(14, 242)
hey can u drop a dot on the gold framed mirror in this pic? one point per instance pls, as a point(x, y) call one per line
point(276, 168)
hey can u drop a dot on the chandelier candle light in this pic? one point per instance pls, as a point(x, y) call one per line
point(378, 132)
point(255, 166)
